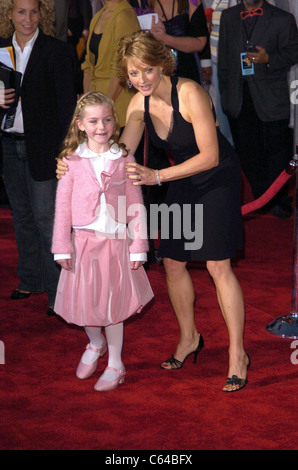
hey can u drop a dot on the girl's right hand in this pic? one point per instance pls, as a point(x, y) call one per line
point(7, 98)
point(61, 169)
point(65, 264)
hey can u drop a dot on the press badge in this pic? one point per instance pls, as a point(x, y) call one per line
point(247, 67)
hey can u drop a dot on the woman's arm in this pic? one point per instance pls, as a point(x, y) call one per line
point(181, 43)
point(86, 82)
point(115, 88)
point(134, 126)
point(195, 107)
point(187, 44)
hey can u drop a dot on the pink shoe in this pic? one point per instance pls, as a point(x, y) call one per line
point(86, 370)
point(105, 385)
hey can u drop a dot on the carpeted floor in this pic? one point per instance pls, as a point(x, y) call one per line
point(44, 407)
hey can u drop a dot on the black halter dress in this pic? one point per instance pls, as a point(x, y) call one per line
point(209, 203)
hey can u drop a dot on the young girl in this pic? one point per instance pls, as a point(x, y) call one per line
point(99, 237)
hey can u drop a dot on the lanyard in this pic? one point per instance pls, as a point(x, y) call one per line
point(248, 30)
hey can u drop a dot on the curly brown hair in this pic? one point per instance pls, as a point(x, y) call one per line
point(143, 46)
point(46, 23)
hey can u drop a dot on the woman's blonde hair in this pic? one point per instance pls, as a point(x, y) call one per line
point(75, 136)
point(46, 22)
point(143, 46)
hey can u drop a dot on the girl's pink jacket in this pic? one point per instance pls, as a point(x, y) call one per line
point(77, 202)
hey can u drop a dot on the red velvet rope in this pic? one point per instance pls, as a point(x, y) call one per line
point(268, 195)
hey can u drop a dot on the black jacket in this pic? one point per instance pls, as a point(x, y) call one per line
point(48, 100)
point(276, 31)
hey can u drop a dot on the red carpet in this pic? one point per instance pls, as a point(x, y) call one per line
point(44, 407)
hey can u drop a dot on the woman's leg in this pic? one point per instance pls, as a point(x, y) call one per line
point(182, 296)
point(230, 299)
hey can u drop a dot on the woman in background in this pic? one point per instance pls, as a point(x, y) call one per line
point(31, 136)
point(116, 19)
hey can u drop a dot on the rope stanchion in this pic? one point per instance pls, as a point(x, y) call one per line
point(286, 326)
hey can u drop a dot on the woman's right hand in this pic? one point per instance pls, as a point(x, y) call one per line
point(61, 169)
point(7, 97)
point(158, 29)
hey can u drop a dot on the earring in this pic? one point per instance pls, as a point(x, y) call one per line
point(161, 74)
point(129, 84)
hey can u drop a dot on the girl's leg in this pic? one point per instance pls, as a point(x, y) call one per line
point(114, 335)
point(230, 299)
point(181, 293)
point(96, 348)
point(96, 341)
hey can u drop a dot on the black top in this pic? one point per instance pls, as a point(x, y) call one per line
point(216, 191)
point(187, 64)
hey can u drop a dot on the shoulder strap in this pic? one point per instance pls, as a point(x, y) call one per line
point(174, 93)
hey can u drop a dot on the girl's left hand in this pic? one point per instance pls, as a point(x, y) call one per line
point(136, 264)
point(141, 174)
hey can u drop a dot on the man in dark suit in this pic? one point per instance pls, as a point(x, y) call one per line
point(31, 137)
point(258, 44)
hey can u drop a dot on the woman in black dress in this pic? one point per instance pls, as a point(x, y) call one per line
point(179, 117)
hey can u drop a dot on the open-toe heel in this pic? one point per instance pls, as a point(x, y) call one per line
point(236, 381)
point(173, 363)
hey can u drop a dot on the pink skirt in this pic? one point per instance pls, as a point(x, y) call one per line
point(101, 289)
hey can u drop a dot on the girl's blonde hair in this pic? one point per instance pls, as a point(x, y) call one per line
point(75, 136)
point(46, 22)
point(143, 46)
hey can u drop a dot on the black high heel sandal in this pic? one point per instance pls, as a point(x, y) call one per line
point(237, 381)
point(176, 364)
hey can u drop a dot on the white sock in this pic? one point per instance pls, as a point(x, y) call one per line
point(96, 341)
point(114, 335)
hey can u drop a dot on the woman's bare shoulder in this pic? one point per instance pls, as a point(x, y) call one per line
point(136, 106)
point(191, 93)
point(137, 101)
point(186, 86)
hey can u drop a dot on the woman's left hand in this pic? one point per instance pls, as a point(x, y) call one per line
point(141, 174)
